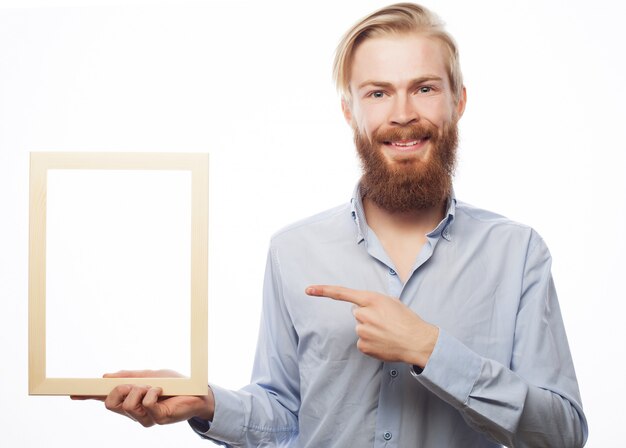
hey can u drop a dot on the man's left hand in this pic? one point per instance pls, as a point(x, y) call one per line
point(387, 329)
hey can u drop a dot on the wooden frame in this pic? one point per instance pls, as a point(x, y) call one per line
point(40, 163)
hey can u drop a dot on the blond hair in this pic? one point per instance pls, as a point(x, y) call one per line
point(400, 18)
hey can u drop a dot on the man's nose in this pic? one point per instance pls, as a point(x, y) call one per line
point(404, 111)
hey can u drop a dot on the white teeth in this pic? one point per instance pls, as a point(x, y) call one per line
point(405, 144)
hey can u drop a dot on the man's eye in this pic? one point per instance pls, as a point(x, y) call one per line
point(377, 94)
point(425, 89)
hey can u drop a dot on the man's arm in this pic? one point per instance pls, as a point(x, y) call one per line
point(530, 403)
point(264, 413)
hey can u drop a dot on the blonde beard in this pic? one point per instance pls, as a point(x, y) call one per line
point(410, 184)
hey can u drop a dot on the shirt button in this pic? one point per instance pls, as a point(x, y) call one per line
point(387, 435)
point(392, 272)
point(393, 373)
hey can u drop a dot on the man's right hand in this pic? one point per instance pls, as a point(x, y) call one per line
point(145, 405)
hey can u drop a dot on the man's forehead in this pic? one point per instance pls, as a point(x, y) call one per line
point(397, 57)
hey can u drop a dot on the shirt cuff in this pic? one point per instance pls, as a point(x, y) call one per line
point(228, 419)
point(451, 371)
point(199, 425)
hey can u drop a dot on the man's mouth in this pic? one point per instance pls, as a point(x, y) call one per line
point(406, 144)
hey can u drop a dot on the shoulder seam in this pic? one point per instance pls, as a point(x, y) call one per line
point(310, 220)
point(467, 210)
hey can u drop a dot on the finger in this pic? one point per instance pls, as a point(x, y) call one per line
point(360, 314)
point(87, 397)
point(152, 397)
point(113, 401)
point(143, 374)
point(153, 407)
point(133, 406)
point(360, 298)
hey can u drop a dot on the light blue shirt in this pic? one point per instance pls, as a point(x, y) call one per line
point(501, 371)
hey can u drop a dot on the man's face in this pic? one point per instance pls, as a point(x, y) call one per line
point(404, 115)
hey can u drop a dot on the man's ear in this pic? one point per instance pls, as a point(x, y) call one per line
point(460, 107)
point(347, 112)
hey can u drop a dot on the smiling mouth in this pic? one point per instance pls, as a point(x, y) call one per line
point(406, 144)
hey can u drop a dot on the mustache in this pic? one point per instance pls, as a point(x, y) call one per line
point(412, 132)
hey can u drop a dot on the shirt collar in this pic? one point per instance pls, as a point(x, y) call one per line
point(358, 215)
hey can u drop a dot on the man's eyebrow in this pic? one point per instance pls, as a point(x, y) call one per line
point(370, 83)
point(387, 85)
point(425, 79)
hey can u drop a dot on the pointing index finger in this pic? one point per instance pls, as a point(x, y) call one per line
point(359, 298)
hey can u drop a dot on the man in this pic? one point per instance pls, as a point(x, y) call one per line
point(445, 330)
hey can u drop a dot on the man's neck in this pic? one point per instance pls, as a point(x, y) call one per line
point(402, 234)
point(423, 220)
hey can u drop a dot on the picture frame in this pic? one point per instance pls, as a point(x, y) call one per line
point(193, 167)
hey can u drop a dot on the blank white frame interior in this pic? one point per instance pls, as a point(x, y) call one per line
point(117, 166)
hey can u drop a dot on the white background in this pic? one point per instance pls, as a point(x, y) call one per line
point(542, 141)
point(117, 246)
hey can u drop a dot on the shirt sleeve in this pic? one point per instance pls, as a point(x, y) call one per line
point(533, 402)
point(265, 412)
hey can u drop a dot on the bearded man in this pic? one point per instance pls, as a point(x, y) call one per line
point(406, 317)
